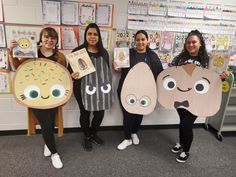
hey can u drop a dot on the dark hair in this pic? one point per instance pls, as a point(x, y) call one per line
point(101, 50)
point(51, 33)
point(202, 54)
point(148, 50)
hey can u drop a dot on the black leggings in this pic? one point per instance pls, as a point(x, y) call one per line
point(46, 118)
point(186, 128)
point(85, 115)
point(131, 122)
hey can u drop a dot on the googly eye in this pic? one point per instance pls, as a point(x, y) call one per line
point(57, 91)
point(106, 88)
point(90, 89)
point(169, 83)
point(131, 99)
point(202, 86)
point(32, 92)
point(145, 101)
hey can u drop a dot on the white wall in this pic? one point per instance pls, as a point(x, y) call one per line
point(14, 116)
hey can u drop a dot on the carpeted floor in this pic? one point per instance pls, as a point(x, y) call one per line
point(22, 156)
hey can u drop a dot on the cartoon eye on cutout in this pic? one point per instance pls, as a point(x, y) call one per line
point(32, 92)
point(106, 88)
point(131, 99)
point(90, 89)
point(57, 91)
point(202, 86)
point(145, 101)
point(169, 83)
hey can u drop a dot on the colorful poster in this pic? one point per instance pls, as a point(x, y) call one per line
point(179, 41)
point(104, 15)
point(154, 40)
point(80, 62)
point(122, 38)
point(27, 44)
point(210, 41)
point(87, 12)
point(222, 42)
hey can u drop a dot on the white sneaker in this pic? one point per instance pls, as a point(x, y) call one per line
point(47, 152)
point(56, 161)
point(135, 138)
point(124, 144)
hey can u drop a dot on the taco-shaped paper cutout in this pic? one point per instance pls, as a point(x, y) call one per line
point(190, 87)
point(138, 93)
point(42, 84)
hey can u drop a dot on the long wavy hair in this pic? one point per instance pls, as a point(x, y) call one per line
point(202, 53)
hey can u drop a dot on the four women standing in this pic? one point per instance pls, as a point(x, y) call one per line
point(194, 52)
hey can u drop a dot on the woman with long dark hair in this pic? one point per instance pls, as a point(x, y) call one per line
point(100, 58)
point(141, 53)
point(194, 52)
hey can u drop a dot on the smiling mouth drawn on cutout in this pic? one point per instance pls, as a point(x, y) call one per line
point(184, 90)
point(45, 97)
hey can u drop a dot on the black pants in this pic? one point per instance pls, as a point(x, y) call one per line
point(46, 118)
point(131, 122)
point(85, 115)
point(186, 128)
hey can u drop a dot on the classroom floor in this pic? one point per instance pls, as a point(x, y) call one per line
point(22, 156)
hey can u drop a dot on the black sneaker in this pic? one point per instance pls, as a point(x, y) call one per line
point(182, 157)
point(176, 148)
point(87, 145)
point(96, 140)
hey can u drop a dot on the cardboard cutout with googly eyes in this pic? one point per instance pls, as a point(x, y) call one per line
point(138, 93)
point(97, 90)
point(190, 87)
point(42, 84)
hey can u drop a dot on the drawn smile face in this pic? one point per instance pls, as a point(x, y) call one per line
point(24, 43)
point(42, 84)
point(138, 94)
point(190, 87)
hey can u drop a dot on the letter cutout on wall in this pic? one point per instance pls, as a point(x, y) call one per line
point(193, 88)
point(42, 84)
point(138, 93)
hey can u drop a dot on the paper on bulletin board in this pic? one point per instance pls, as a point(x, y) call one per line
point(213, 11)
point(5, 82)
point(4, 64)
point(70, 13)
point(2, 36)
point(69, 37)
point(87, 12)
point(104, 15)
point(51, 12)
